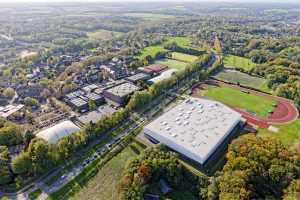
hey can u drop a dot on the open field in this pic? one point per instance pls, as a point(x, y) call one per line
point(288, 134)
point(149, 16)
point(102, 34)
point(183, 57)
point(184, 42)
point(175, 64)
point(235, 98)
point(100, 186)
point(243, 78)
point(103, 186)
point(232, 61)
point(152, 51)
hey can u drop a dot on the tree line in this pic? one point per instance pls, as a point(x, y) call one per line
point(256, 168)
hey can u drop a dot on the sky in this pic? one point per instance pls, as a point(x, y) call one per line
point(83, 1)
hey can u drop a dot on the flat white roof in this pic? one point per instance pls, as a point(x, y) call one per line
point(196, 127)
point(9, 110)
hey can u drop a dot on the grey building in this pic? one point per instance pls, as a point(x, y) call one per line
point(118, 95)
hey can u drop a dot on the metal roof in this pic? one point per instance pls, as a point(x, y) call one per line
point(123, 89)
point(195, 127)
point(78, 102)
point(9, 110)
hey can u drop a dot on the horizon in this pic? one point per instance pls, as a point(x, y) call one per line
point(147, 1)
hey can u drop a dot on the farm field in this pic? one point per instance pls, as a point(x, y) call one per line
point(104, 185)
point(235, 98)
point(174, 64)
point(243, 78)
point(102, 34)
point(288, 134)
point(232, 61)
point(183, 57)
point(149, 16)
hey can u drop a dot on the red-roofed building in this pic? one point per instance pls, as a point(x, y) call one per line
point(153, 69)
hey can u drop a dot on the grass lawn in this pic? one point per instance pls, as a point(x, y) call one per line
point(174, 64)
point(185, 42)
point(243, 79)
point(183, 57)
point(288, 134)
point(152, 51)
point(235, 98)
point(35, 194)
point(149, 16)
point(232, 61)
point(102, 34)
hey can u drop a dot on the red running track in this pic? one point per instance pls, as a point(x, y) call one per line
point(284, 112)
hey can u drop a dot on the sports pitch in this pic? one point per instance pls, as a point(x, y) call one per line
point(232, 61)
point(174, 64)
point(243, 79)
point(257, 105)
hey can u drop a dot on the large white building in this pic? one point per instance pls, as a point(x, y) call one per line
point(195, 128)
point(57, 132)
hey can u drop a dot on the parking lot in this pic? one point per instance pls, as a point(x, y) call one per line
point(97, 114)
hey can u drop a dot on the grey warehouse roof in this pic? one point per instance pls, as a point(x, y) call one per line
point(93, 96)
point(59, 131)
point(123, 89)
point(78, 102)
point(195, 127)
point(139, 76)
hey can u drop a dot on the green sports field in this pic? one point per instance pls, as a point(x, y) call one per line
point(183, 57)
point(288, 134)
point(232, 61)
point(174, 64)
point(243, 78)
point(236, 98)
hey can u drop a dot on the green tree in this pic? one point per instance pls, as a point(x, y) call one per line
point(5, 175)
point(31, 101)
point(218, 45)
point(10, 135)
point(9, 93)
point(40, 155)
point(293, 190)
point(22, 163)
point(92, 105)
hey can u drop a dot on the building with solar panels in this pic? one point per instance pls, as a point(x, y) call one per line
point(195, 128)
